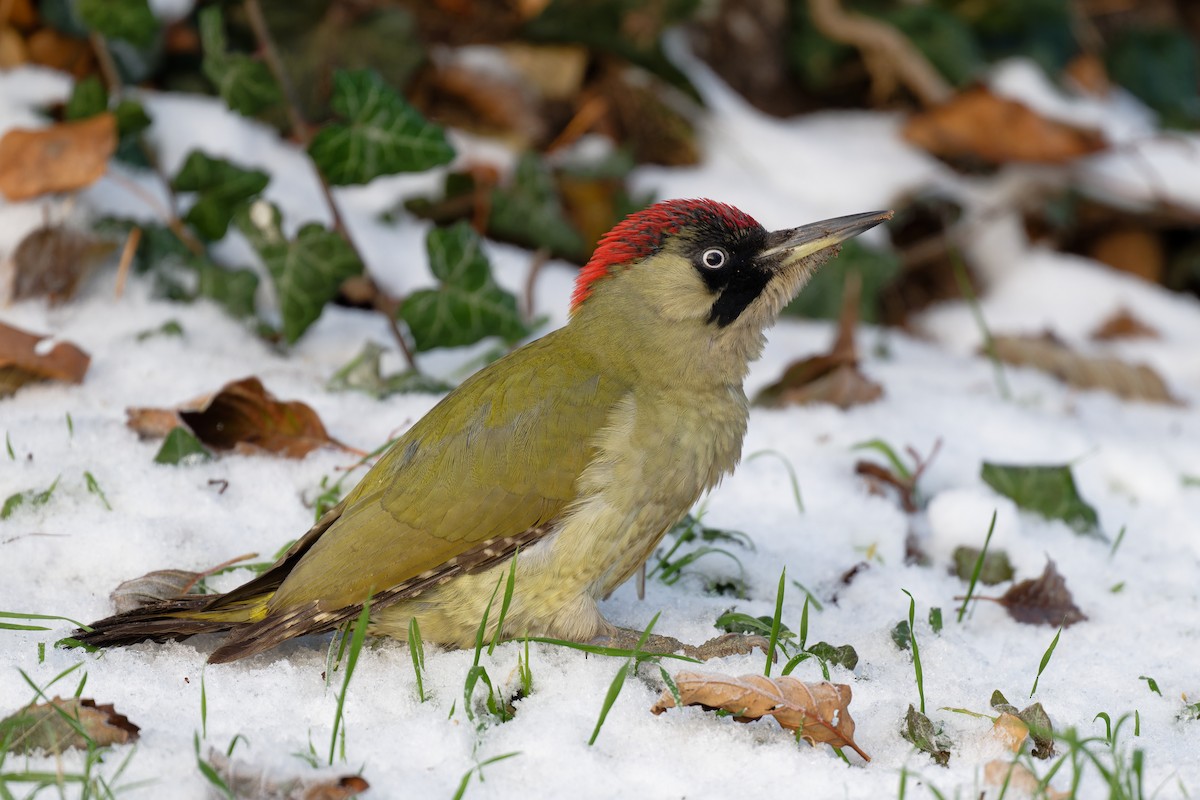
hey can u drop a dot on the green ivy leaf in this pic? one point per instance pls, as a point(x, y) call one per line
point(131, 20)
point(88, 98)
point(244, 83)
point(232, 288)
point(382, 134)
point(845, 655)
point(920, 731)
point(1161, 66)
point(222, 189)
point(131, 117)
point(468, 305)
point(1048, 490)
point(307, 271)
point(181, 446)
point(529, 212)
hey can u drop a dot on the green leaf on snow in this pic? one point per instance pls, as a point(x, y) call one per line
point(468, 305)
point(1048, 490)
point(244, 83)
point(222, 188)
point(307, 271)
point(382, 134)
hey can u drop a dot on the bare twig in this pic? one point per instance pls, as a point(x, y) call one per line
point(890, 57)
point(382, 303)
point(540, 257)
point(131, 246)
point(108, 67)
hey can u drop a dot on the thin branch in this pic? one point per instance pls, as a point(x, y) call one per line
point(540, 257)
point(890, 57)
point(131, 246)
point(382, 302)
point(108, 67)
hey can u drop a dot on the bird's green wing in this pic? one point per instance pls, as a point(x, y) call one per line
point(496, 458)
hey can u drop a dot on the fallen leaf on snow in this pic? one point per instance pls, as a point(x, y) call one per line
point(833, 377)
point(1123, 325)
point(243, 417)
point(1044, 600)
point(51, 260)
point(983, 126)
point(818, 711)
point(21, 363)
point(250, 782)
point(1048, 354)
point(1010, 731)
point(65, 723)
point(59, 158)
point(1018, 777)
point(162, 584)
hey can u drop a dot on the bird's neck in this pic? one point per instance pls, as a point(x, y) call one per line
point(688, 354)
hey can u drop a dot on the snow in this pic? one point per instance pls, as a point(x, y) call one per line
point(1129, 459)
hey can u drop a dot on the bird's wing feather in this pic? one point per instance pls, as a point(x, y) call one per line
point(499, 457)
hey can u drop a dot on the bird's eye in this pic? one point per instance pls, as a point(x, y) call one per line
point(713, 258)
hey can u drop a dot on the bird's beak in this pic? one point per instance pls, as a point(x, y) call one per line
point(794, 244)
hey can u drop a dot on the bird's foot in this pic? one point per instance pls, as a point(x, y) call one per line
point(728, 644)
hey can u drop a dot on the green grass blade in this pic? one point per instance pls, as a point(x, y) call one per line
point(978, 568)
point(356, 644)
point(774, 639)
point(916, 653)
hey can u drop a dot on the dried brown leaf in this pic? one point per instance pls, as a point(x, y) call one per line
point(1048, 354)
point(1123, 325)
point(52, 49)
point(242, 416)
point(152, 588)
point(65, 723)
point(980, 125)
point(819, 711)
point(163, 584)
point(51, 260)
point(1137, 250)
point(1044, 600)
point(252, 782)
point(21, 363)
point(59, 158)
point(1019, 778)
point(832, 377)
point(1010, 731)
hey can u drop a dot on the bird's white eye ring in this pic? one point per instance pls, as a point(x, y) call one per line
point(713, 258)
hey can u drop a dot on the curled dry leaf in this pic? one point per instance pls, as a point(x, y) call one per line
point(819, 712)
point(1048, 354)
point(251, 782)
point(51, 260)
point(243, 417)
point(1123, 325)
point(65, 723)
point(977, 124)
point(21, 363)
point(59, 158)
point(833, 377)
point(1044, 600)
point(163, 584)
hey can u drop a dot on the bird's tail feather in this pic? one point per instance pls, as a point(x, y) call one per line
point(171, 619)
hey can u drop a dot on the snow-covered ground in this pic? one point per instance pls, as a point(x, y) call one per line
point(1130, 459)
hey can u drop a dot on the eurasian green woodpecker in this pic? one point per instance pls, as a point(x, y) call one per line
point(574, 454)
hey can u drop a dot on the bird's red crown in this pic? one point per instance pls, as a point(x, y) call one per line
point(642, 234)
